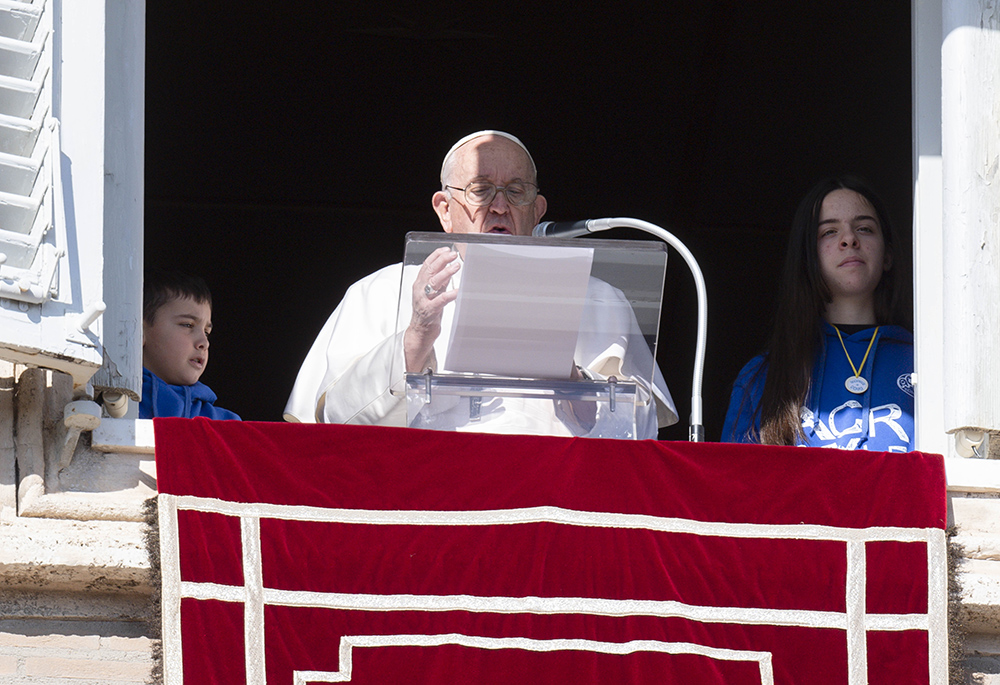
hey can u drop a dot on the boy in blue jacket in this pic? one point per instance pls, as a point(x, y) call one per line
point(176, 323)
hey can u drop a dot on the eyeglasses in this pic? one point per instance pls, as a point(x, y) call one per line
point(481, 193)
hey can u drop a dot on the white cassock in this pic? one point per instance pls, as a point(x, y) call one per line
point(346, 375)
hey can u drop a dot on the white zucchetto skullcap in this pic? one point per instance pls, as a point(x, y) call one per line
point(480, 134)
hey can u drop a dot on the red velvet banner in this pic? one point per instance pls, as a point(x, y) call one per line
point(309, 553)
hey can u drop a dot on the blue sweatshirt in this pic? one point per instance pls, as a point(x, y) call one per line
point(880, 419)
point(159, 398)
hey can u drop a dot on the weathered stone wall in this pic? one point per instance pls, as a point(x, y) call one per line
point(977, 519)
point(75, 586)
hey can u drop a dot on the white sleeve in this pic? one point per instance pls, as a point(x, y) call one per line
point(611, 344)
point(345, 377)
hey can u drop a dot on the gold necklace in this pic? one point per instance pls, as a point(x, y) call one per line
point(856, 384)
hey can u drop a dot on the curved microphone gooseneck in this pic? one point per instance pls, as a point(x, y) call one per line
point(573, 229)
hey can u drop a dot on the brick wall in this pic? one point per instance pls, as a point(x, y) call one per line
point(52, 652)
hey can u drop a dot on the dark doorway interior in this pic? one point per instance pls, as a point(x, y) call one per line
point(289, 148)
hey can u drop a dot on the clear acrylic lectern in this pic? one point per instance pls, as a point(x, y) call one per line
point(545, 336)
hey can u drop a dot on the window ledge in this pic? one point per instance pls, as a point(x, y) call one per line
point(973, 475)
point(132, 436)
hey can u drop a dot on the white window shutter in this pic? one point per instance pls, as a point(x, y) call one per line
point(27, 147)
point(71, 157)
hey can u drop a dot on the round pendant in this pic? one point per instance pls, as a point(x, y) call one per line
point(856, 384)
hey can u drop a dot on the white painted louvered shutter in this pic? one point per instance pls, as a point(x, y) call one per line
point(27, 148)
point(71, 158)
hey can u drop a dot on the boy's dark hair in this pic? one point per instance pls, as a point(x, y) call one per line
point(160, 286)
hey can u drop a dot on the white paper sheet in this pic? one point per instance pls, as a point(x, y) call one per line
point(518, 310)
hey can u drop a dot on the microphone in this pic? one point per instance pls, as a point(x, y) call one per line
point(569, 229)
point(572, 229)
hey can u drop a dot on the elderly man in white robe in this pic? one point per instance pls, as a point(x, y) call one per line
point(488, 185)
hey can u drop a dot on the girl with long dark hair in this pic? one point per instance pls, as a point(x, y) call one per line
point(837, 371)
